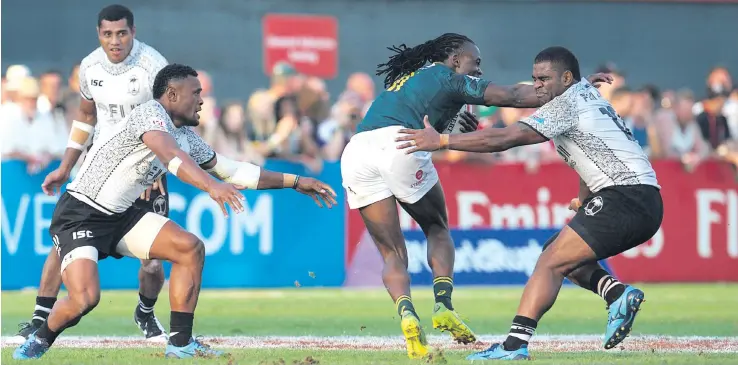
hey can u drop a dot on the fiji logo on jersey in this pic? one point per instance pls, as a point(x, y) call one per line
point(134, 86)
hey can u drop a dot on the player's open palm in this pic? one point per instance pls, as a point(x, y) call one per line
point(317, 190)
point(227, 194)
point(427, 139)
point(54, 180)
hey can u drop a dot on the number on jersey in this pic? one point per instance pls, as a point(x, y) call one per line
point(610, 112)
point(397, 85)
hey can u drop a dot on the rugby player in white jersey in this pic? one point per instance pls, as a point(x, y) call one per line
point(113, 79)
point(96, 217)
point(619, 204)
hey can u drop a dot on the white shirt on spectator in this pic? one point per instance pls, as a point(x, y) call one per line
point(35, 137)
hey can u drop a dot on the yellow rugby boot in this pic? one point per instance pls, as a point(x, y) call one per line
point(445, 319)
point(417, 345)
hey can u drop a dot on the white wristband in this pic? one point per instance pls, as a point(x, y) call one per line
point(173, 165)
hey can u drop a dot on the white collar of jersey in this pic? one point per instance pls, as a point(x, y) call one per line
point(123, 66)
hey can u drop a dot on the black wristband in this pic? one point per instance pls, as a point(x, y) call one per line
point(297, 178)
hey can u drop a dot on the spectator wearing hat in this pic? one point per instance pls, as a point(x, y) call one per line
point(31, 135)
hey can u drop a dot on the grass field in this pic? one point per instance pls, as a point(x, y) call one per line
point(680, 324)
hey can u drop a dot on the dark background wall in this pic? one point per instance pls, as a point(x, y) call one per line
point(669, 44)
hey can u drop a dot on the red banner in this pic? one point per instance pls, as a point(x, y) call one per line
point(698, 240)
point(308, 42)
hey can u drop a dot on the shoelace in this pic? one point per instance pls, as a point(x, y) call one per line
point(24, 325)
point(151, 323)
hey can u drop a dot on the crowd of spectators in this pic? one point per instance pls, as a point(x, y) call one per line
point(296, 119)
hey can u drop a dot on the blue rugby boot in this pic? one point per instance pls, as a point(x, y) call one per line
point(621, 316)
point(498, 352)
point(194, 348)
point(33, 348)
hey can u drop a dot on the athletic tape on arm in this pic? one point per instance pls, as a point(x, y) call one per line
point(236, 172)
point(79, 135)
point(173, 165)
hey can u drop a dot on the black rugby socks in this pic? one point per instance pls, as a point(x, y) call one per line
point(606, 286)
point(145, 306)
point(180, 328)
point(443, 286)
point(404, 303)
point(47, 334)
point(42, 310)
point(521, 331)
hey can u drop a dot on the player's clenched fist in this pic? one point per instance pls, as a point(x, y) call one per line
point(225, 193)
point(317, 189)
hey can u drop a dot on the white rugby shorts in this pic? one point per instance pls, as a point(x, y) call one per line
point(373, 169)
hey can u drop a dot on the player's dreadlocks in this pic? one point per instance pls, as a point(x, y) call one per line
point(406, 60)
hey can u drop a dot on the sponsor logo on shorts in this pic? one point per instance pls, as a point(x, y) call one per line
point(594, 206)
point(418, 176)
point(82, 234)
point(160, 205)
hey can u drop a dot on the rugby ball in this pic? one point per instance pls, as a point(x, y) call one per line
point(454, 124)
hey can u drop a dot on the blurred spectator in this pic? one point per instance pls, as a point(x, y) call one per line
point(334, 133)
point(314, 100)
point(363, 85)
point(641, 120)
point(710, 117)
point(14, 77)
point(4, 91)
point(275, 115)
point(31, 134)
point(680, 135)
point(730, 110)
point(71, 97)
point(50, 83)
point(209, 121)
point(293, 137)
point(622, 101)
point(229, 136)
point(618, 80)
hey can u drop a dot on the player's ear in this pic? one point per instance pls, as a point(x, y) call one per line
point(455, 60)
point(567, 77)
point(171, 94)
point(133, 31)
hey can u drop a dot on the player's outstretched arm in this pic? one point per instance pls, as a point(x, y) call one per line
point(186, 169)
point(473, 90)
point(486, 140)
point(524, 96)
point(248, 176)
point(82, 129)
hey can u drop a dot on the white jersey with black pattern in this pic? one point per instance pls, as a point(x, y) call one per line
point(119, 167)
point(117, 88)
point(591, 137)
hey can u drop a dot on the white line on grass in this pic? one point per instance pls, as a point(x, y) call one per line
point(544, 343)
